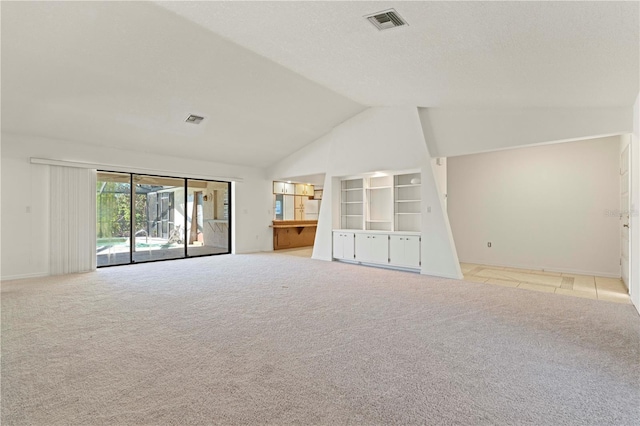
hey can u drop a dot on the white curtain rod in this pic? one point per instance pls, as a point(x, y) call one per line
point(112, 168)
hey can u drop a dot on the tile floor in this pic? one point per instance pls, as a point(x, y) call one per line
point(587, 286)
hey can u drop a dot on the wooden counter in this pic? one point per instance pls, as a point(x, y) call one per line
point(293, 233)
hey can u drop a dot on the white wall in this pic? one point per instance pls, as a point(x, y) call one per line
point(541, 207)
point(634, 287)
point(461, 131)
point(25, 186)
point(378, 139)
point(439, 166)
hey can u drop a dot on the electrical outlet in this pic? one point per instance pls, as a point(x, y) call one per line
point(489, 244)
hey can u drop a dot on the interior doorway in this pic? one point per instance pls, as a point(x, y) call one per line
point(625, 194)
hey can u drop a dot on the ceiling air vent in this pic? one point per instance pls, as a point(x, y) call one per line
point(386, 19)
point(195, 119)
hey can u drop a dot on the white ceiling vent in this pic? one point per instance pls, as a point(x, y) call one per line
point(386, 19)
point(195, 119)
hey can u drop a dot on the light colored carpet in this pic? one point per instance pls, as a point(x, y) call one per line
point(280, 339)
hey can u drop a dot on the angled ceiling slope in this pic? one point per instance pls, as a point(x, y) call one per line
point(128, 74)
point(452, 54)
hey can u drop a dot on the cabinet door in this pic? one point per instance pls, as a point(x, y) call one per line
point(343, 245)
point(300, 188)
point(373, 248)
point(289, 188)
point(283, 238)
point(405, 250)
point(379, 248)
point(338, 245)
point(348, 245)
point(412, 251)
point(362, 247)
point(278, 187)
point(396, 250)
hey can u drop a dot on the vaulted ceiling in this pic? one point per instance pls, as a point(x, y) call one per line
point(271, 77)
point(485, 53)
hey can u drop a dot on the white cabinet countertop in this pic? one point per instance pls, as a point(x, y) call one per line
point(362, 231)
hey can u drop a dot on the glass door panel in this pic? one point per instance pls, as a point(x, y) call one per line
point(159, 218)
point(207, 217)
point(113, 213)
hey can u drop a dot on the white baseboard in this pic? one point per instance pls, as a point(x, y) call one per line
point(323, 258)
point(250, 251)
point(24, 276)
point(440, 275)
point(558, 270)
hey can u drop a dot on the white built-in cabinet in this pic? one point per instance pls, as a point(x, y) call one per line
point(404, 250)
point(372, 248)
point(381, 217)
point(344, 245)
point(378, 248)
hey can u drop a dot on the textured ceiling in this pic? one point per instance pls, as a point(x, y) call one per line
point(127, 74)
point(560, 54)
point(271, 77)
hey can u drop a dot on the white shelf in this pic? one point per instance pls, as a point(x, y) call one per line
point(352, 204)
point(407, 212)
point(389, 203)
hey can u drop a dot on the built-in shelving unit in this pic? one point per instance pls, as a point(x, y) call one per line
point(382, 203)
point(380, 219)
point(408, 202)
point(352, 204)
point(379, 194)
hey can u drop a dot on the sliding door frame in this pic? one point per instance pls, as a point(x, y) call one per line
point(185, 200)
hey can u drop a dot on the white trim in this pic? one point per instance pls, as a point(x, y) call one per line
point(441, 275)
point(114, 168)
point(536, 144)
point(567, 271)
point(25, 276)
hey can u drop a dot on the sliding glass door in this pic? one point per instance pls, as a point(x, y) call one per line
point(113, 214)
point(207, 217)
point(159, 218)
point(144, 218)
